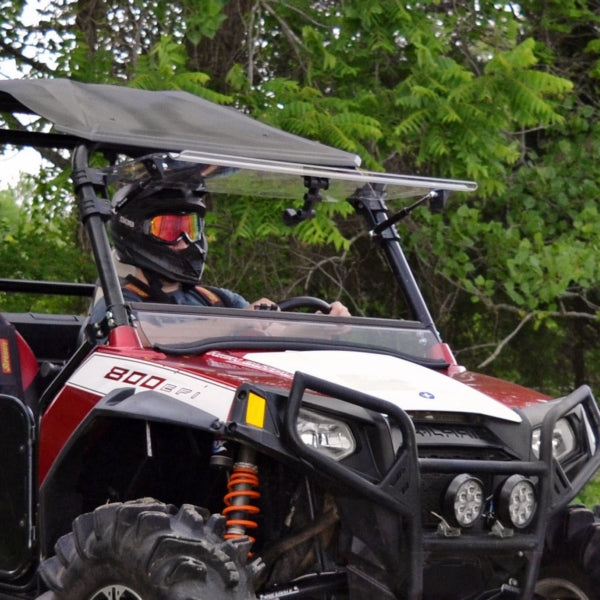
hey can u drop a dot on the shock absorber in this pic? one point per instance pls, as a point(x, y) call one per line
point(241, 493)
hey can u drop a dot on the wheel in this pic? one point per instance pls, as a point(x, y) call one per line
point(146, 550)
point(564, 583)
point(571, 563)
point(310, 302)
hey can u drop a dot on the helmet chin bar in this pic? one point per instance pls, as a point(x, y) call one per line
point(182, 266)
point(192, 260)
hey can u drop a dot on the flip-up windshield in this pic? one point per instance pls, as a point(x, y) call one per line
point(225, 174)
point(193, 330)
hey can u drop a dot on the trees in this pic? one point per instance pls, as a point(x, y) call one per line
point(36, 243)
point(504, 94)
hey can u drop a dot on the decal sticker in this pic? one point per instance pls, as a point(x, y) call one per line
point(243, 362)
point(101, 374)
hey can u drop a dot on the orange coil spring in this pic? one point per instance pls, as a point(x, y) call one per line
point(237, 502)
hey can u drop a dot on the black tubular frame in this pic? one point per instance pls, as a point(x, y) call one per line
point(369, 201)
point(60, 288)
point(400, 488)
point(93, 212)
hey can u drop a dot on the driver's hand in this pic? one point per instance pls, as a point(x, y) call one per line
point(263, 304)
point(339, 310)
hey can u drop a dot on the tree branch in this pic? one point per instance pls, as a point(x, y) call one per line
point(295, 41)
point(251, 39)
point(50, 155)
point(35, 64)
point(505, 341)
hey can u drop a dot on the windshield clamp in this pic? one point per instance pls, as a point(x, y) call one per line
point(436, 198)
point(292, 216)
point(88, 182)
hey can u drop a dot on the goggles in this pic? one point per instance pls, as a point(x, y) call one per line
point(170, 228)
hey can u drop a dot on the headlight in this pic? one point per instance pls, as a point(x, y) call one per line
point(328, 436)
point(463, 501)
point(563, 440)
point(517, 501)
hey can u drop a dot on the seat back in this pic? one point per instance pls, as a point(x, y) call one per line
point(18, 364)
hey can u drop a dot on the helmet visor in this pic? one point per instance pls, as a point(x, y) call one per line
point(170, 228)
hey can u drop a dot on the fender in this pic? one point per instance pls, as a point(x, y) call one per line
point(17, 440)
point(61, 497)
point(103, 372)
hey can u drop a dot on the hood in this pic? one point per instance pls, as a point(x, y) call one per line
point(405, 384)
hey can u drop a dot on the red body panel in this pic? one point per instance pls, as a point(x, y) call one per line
point(60, 420)
point(227, 369)
point(510, 394)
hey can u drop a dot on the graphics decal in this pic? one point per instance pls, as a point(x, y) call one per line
point(101, 373)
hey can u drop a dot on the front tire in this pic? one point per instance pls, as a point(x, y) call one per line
point(564, 582)
point(571, 564)
point(146, 550)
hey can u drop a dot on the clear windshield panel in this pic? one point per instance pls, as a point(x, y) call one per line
point(194, 329)
point(221, 174)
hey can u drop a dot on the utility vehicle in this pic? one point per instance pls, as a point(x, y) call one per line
point(171, 452)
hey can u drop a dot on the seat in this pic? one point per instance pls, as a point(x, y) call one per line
point(18, 365)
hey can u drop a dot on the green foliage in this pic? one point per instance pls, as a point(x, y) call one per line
point(9, 209)
point(590, 495)
point(476, 91)
point(86, 64)
point(203, 18)
point(261, 219)
point(42, 245)
point(307, 112)
point(164, 68)
point(466, 124)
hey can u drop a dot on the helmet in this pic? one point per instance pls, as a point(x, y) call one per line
point(148, 221)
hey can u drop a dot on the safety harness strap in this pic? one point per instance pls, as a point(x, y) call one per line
point(208, 293)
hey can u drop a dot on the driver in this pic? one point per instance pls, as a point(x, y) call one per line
point(159, 231)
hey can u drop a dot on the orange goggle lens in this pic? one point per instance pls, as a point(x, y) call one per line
point(169, 228)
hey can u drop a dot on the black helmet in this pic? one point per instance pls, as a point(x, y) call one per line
point(149, 220)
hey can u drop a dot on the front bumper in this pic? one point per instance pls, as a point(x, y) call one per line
point(399, 490)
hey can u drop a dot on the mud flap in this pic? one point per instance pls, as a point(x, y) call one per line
point(17, 534)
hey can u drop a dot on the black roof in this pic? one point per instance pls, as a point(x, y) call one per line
point(119, 116)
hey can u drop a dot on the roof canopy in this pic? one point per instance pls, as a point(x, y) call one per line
point(163, 120)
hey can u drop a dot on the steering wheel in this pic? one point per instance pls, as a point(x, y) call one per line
point(310, 302)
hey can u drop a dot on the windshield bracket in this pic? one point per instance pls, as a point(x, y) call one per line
point(292, 216)
point(88, 181)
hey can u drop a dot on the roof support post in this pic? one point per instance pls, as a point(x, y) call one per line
point(368, 200)
point(94, 212)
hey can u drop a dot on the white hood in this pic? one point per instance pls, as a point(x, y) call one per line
point(405, 384)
